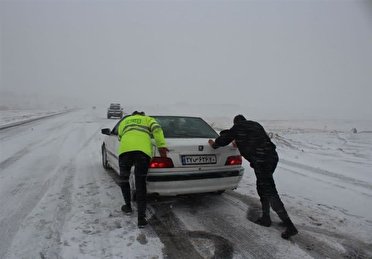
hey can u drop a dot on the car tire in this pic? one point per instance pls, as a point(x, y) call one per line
point(104, 158)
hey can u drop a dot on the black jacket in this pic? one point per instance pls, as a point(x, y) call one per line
point(252, 140)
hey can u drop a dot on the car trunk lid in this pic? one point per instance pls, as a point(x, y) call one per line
point(198, 153)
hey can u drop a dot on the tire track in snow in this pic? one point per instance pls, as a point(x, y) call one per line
point(90, 139)
point(354, 248)
point(29, 190)
point(23, 127)
point(178, 240)
point(19, 123)
point(327, 173)
point(42, 176)
point(218, 219)
point(323, 181)
point(207, 210)
point(89, 221)
point(31, 147)
point(52, 248)
point(14, 158)
point(42, 194)
point(11, 224)
point(310, 238)
point(30, 216)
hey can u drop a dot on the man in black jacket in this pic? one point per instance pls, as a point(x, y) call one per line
point(256, 147)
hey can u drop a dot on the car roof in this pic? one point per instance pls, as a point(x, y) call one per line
point(168, 116)
point(174, 116)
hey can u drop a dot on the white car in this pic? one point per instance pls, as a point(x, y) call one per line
point(192, 166)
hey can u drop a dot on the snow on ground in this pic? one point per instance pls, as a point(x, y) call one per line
point(325, 150)
point(62, 205)
point(324, 169)
point(10, 117)
point(323, 177)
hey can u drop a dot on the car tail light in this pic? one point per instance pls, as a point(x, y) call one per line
point(234, 160)
point(161, 162)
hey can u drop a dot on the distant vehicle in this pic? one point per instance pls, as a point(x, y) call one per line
point(114, 110)
point(192, 166)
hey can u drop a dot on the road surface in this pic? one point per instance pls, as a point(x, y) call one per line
point(58, 202)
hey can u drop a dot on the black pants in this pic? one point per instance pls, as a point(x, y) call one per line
point(266, 188)
point(140, 161)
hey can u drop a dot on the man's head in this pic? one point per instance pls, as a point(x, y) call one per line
point(138, 113)
point(239, 118)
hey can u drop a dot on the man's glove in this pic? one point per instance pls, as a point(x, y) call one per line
point(163, 151)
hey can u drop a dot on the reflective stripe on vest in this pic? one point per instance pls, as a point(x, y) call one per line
point(131, 127)
point(154, 125)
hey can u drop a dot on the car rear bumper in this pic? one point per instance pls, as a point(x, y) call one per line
point(168, 185)
point(115, 113)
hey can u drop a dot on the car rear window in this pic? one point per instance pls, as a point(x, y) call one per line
point(115, 107)
point(185, 127)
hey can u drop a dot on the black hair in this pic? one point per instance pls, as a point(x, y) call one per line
point(239, 118)
point(137, 112)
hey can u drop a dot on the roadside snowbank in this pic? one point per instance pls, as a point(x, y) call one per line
point(13, 117)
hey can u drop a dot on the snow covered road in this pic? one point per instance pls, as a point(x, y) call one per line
point(53, 190)
point(58, 202)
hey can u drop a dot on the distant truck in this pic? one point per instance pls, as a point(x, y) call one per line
point(115, 110)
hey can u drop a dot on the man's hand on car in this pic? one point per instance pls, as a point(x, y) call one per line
point(163, 151)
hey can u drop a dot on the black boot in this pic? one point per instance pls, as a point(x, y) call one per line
point(125, 190)
point(291, 229)
point(142, 222)
point(264, 221)
point(127, 209)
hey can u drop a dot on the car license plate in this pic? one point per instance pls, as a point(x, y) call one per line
point(198, 159)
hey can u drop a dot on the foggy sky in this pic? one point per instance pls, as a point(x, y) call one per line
point(267, 59)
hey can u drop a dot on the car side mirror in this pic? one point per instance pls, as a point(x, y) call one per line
point(106, 131)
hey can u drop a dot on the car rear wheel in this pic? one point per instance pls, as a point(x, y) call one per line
point(104, 158)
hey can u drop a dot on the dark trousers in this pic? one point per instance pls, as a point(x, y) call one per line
point(266, 188)
point(140, 161)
